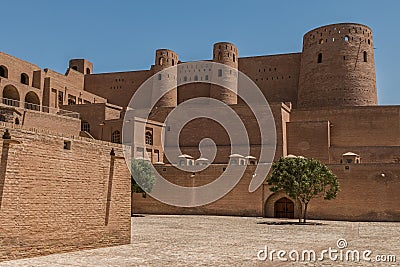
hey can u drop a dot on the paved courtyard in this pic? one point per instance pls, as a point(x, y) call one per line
point(231, 241)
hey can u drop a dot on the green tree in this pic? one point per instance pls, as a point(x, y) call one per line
point(143, 178)
point(303, 179)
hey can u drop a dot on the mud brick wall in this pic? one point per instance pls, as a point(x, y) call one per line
point(56, 200)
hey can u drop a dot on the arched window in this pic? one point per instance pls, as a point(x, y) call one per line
point(160, 61)
point(206, 77)
point(234, 57)
point(2, 118)
point(11, 96)
point(85, 126)
point(219, 72)
point(149, 138)
point(16, 121)
point(116, 137)
point(3, 72)
point(32, 101)
point(173, 62)
point(24, 78)
point(87, 71)
point(365, 56)
point(159, 77)
point(196, 78)
point(75, 68)
point(319, 58)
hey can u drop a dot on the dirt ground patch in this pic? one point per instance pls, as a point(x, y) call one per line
point(232, 241)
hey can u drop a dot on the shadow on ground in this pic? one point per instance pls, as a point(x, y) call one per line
point(289, 223)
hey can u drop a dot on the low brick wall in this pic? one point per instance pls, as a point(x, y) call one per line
point(56, 200)
point(365, 195)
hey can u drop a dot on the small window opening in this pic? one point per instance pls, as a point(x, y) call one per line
point(116, 137)
point(365, 56)
point(3, 72)
point(67, 145)
point(319, 58)
point(85, 126)
point(149, 138)
point(24, 78)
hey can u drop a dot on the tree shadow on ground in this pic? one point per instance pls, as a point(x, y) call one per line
point(290, 223)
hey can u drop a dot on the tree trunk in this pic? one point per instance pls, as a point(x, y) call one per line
point(305, 212)
point(300, 210)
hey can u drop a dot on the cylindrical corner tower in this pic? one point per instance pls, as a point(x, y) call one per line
point(227, 54)
point(337, 67)
point(165, 78)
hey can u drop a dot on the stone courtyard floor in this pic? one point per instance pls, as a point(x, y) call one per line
point(232, 241)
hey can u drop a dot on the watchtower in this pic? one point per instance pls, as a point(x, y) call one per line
point(337, 67)
point(227, 54)
point(165, 78)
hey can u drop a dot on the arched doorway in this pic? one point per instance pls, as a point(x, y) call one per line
point(284, 208)
point(32, 101)
point(11, 96)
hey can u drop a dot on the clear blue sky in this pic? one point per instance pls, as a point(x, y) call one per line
point(123, 35)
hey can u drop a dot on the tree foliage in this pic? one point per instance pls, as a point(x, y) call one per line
point(143, 178)
point(303, 179)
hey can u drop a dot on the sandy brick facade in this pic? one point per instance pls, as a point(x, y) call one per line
point(55, 199)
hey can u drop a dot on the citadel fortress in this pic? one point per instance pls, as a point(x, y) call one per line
point(64, 184)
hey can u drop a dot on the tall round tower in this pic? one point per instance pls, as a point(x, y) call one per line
point(165, 78)
point(337, 67)
point(227, 54)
